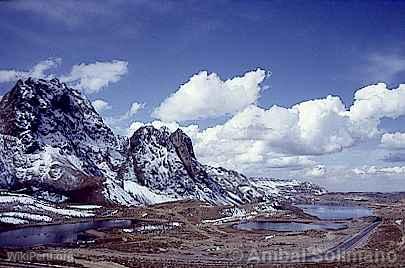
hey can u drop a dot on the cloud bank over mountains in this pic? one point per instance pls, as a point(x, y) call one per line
point(256, 138)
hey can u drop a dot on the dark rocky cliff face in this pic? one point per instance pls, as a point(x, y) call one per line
point(184, 149)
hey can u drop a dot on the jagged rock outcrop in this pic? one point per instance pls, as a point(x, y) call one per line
point(185, 151)
point(166, 164)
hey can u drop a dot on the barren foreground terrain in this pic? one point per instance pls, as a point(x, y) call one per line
point(194, 234)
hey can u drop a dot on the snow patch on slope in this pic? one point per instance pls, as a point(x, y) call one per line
point(21, 209)
point(146, 196)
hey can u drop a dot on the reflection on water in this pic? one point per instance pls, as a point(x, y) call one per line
point(332, 212)
point(54, 234)
point(287, 226)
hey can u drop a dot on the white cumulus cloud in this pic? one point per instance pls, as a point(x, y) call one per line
point(39, 70)
point(393, 140)
point(135, 108)
point(374, 170)
point(385, 66)
point(290, 162)
point(374, 102)
point(90, 78)
point(255, 134)
point(206, 95)
point(317, 171)
point(93, 77)
point(378, 101)
point(101, 105)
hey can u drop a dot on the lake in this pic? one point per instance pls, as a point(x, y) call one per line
point(335, 212)
point(288, 226)
point(57, 234)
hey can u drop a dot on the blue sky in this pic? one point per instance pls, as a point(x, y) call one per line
point(310, 48)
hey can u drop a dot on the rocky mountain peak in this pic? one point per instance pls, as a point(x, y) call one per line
point(150, 135)
point(62, 144)
point(183, 143)
point(41, 112)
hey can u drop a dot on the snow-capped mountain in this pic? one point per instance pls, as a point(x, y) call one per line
point(165, 163)
point(54, 140)
point(54, 144)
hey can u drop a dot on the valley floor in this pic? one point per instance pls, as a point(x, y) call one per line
point(194, 234)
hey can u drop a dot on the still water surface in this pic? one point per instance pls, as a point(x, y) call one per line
point(334, 212)
point(288, 226)
point(57, 234)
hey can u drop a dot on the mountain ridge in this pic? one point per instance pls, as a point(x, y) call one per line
point(54, 143)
